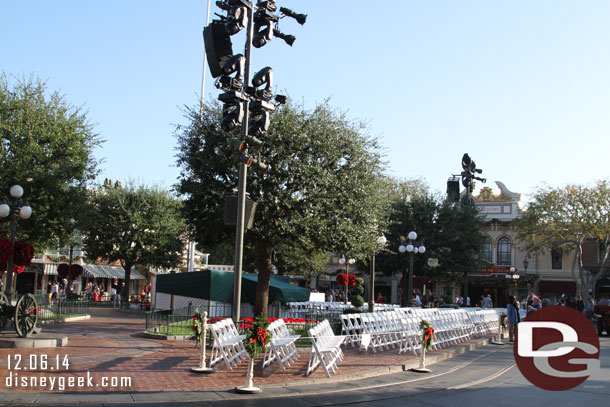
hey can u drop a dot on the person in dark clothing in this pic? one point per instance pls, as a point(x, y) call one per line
point(580, 304)
point(512, 316)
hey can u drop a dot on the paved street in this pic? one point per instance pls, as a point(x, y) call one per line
point(159, 370)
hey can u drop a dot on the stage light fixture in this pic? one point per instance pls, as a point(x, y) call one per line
point(219, 50)
point(260, 112)
point(301, 18)
point(232, 110)
point(289, 39)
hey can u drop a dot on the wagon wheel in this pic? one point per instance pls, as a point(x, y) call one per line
point(3, 305)
point(26, 315)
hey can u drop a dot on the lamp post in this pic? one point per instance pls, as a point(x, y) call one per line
point(514, 275)
point(342, 261)
point(381, 241)
point(407, 281)
point(16, 205)
point(525, 264)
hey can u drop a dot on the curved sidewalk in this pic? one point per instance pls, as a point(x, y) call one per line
point(109, 348)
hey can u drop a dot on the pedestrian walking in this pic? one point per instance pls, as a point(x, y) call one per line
point(512, 316)
point(487, 302)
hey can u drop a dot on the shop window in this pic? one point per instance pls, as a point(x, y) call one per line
point(556, 259)
point(504, 252)
point(486, 250)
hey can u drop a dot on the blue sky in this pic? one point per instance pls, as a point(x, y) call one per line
point(523, 86)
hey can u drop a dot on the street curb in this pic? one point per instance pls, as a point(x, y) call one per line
point(431, 358)
point(151, 335)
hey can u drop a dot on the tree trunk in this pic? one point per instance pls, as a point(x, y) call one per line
point(127, 268)
point(264, 250)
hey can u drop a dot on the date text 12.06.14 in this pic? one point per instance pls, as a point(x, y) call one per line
point(38, 362)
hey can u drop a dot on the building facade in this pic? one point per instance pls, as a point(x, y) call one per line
point(507, 268)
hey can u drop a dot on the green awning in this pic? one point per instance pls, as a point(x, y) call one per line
point(218, 286)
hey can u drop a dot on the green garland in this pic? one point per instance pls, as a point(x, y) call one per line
point(257, 337)
point(197, 326)
point(428, 334)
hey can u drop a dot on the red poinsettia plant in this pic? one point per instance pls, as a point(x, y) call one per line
point(22, 253)
point(63, 270)
point(6, 250)
point(346, 279)
point(75, 270)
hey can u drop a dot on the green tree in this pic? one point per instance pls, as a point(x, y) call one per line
point(134, 226)
point(46, 146)
point(451, 233)
point(300, 259)
point(568, 217)
point(324, 187)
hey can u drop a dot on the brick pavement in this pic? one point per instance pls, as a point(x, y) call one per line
point(109, 346)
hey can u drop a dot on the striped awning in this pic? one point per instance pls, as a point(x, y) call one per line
point(50, 269)
point(98, 271)
point(113, 272)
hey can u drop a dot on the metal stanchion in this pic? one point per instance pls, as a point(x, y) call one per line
point(202, 367)
point(497, 340)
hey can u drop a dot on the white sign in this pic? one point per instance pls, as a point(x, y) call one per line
point(491, 209)
point(317, 297)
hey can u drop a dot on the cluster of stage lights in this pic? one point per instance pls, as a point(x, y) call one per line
point(223, 64)
point(468, 176)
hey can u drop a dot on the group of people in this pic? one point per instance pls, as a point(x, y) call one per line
point(62, 289)
point(533, 303)
point(336, 295)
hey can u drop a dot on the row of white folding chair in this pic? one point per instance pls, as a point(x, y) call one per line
point(228, 344)
point(325, 348)
point(486, 322)
point(379, 331)
point(448, 324)
point(282, 345)
point(351, 328)
point(447, 331)
point(383, 330)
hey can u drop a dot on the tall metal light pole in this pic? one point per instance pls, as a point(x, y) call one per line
point(407, 281)
point(16, 206)
point(238, 93)
point(241, 185)
point(381, 241)
point(205, 56)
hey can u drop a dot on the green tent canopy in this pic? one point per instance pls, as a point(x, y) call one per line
point(217, 285)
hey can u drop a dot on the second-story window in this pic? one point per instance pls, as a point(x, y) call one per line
point(504, 252)
point(486, 250)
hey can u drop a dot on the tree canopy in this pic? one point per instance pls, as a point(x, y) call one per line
point(46, 146)
point(324, 189)
point(134, 226)
point(451, 233)
point(569, 216)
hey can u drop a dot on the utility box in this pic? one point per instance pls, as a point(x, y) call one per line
point(231, 211)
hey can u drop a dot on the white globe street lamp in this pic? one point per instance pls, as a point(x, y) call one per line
point(14, 206)
point(412, 248)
